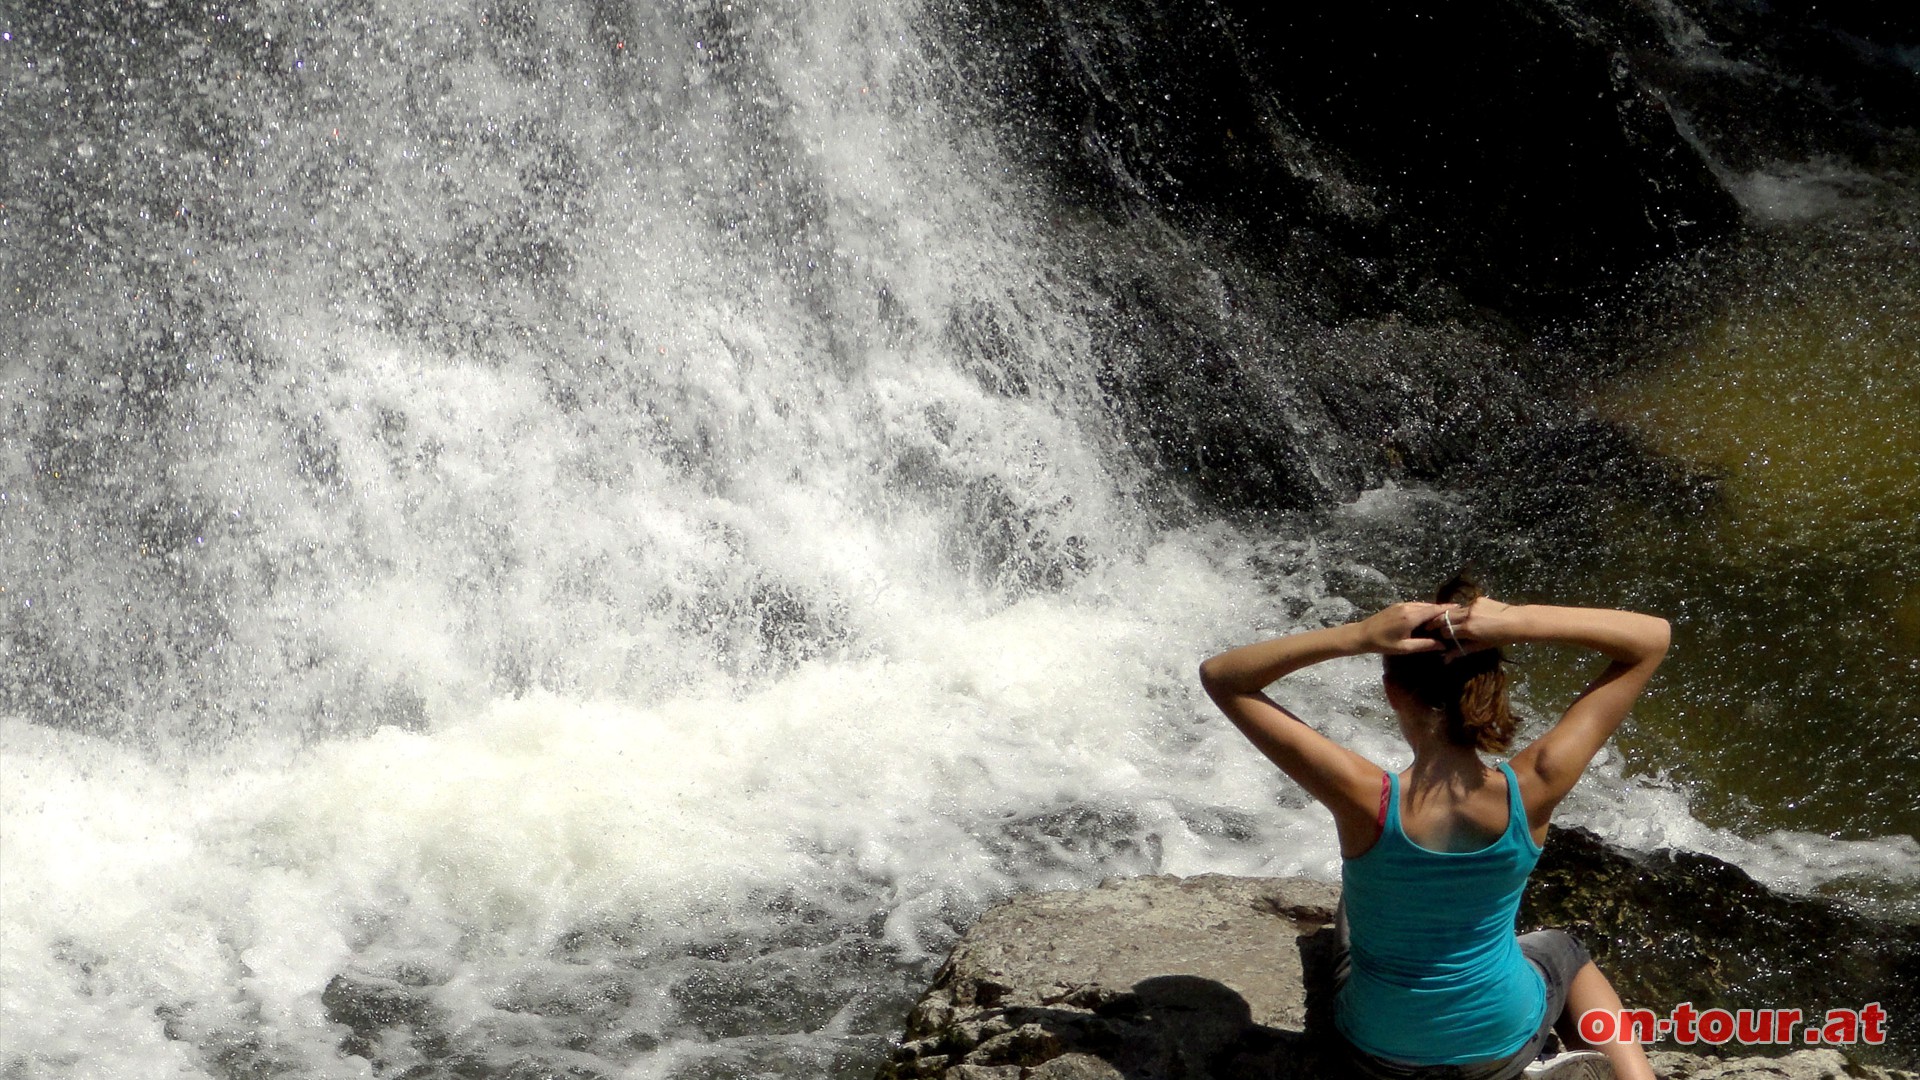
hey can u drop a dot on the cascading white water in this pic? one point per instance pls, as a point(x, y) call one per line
point(616, 545)
point(550, 538)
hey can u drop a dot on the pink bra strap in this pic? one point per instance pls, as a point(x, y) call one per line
point(1386, 785)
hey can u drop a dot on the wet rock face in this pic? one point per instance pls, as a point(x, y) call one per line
point(1778, 84)
point(1320, 244)
point(1513, 146)
point(1334, 245)
point(1218, 977)
point(1676, 926)
point(1528, 153)
point(1507, 147)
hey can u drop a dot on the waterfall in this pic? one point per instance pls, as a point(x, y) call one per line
point(553, 538)
point(591, 525)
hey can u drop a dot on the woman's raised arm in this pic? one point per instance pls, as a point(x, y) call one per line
point(1633, 643)
point(1343, 781)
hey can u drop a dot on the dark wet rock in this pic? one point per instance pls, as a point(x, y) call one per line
point(1506, 147)
point(1551, 474)
point(1165, 977)
point(368, 1005)
point(1338, 245)
point(1510, 143)
point(1677, 926)
point(1763, 86)
point(1523, 152)
point(1320, 244)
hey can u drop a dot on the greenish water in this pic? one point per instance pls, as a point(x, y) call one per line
point(1791, 699)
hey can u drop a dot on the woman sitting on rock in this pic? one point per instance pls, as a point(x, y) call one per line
point(1433, 982)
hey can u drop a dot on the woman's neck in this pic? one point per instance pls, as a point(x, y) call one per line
point(1439, 760)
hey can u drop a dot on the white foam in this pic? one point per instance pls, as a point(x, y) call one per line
point(1649, 813)
point(1799, 192)
point(236, 892)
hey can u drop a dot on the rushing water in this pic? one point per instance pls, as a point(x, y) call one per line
point(546, 539)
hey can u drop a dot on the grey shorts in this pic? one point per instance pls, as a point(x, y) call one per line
point(1557, 955)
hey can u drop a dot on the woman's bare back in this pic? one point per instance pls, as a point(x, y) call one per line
point(1454, 813)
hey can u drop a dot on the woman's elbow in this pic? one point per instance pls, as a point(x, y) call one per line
point(1658, 638)
point(1214, 678)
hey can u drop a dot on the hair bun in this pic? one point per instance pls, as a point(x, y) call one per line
point(1459, 589)
point(1469, 690)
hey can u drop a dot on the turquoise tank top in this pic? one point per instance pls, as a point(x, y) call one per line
point(1437, 977)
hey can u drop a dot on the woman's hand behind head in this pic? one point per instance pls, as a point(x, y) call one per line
point(1484, 623)
point(1403, 628)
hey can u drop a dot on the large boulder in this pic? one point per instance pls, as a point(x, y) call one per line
point(1142, 977)
point(1672, 926)
point(1222, 977)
